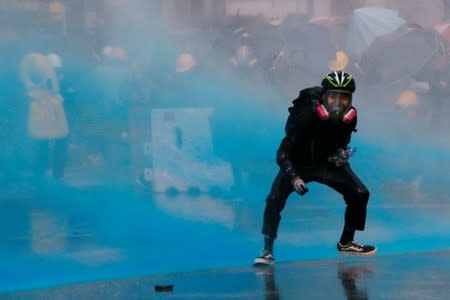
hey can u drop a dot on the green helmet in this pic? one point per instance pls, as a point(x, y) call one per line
point(338, 81)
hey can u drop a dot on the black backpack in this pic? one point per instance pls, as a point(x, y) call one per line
point(307, 99)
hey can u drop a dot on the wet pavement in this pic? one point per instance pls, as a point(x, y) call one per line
point(97, 235)
point(408, 276)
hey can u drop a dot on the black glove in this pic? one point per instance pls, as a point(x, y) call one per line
point(341, 157)
point(341, 161)
point(299, 185)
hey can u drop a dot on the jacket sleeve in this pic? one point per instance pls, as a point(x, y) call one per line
point(294, 130)
point(347, 134)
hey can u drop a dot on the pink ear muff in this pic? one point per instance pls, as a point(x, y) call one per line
point(321, 112)
point(349, 116)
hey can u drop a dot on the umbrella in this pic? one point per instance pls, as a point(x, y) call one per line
point(392, 58)
point(368, 23)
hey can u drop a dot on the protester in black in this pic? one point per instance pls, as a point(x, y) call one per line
point(315, 148)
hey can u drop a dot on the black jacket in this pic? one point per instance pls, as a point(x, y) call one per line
point(309, 141)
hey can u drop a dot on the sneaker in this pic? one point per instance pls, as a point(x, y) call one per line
point(265, 258)
point(354, 248)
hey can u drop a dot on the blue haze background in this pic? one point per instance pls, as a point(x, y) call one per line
point(97, 223)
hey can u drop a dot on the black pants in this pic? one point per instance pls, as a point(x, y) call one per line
point(341, 179)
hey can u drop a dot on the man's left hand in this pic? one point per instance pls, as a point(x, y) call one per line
point(342, 161)
point(339, 159)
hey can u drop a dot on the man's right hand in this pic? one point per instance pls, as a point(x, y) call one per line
point(299, 185)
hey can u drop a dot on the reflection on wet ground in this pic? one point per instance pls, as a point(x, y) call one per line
point(412, 276)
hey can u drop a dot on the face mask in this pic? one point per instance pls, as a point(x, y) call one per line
point(335, 111)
